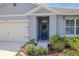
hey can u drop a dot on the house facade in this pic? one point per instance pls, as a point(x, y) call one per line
point(25, 21)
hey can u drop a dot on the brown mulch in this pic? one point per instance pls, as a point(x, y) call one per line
point(54, 53)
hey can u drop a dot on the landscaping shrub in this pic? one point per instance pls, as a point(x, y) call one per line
point(33, 50)
point(29, 49)
point(40, 51)
point(60, 43)
point(57, 42)
point(66, 42)
point(74, 42)
point(53, 38)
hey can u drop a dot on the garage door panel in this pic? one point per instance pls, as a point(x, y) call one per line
point(14, 31)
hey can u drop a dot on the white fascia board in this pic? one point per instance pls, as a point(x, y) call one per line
point(35, 9)
point(12, 15)
point(39, 7)
point(2, 21)
point(52, 10)
point(43, 14)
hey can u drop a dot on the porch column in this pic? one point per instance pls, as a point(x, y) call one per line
point(32, 27)
point(52, 25)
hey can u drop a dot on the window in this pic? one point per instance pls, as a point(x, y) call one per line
point(69, 26)
point(72, 26)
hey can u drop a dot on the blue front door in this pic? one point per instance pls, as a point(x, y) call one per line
point(43, 28)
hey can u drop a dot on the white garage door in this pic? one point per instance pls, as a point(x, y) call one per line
point(14, 31)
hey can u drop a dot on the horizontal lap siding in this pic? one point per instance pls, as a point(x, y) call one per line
point(61, 25)
point(52, 25)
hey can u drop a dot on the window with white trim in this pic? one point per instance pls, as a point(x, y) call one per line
point(72, 26)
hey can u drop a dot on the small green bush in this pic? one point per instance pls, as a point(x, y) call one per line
point(53, 38)
point(40, 51)
point(33, 50)
point(74, 42)
point(60, 43)
point(57, 42)
point(29, 49)
point(66, 42)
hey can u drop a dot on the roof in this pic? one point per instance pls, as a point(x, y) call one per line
point(66, 11)
point(21, 9)
point(57, 11)
point(43, 10)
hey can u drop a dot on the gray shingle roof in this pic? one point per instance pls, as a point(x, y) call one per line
point(66, 11)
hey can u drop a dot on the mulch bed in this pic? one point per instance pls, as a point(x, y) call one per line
point(54, 53)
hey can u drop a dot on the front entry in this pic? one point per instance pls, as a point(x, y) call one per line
point(43, 28)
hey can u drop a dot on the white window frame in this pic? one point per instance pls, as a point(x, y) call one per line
point(70, 35)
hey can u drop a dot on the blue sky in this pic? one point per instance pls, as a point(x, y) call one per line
point(62, 5)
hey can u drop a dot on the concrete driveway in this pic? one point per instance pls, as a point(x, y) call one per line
point(10, 48)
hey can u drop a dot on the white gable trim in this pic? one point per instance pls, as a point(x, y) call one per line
point(33, 10)
point(44, 14)
point(39, 7)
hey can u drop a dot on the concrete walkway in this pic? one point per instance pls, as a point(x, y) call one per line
point(43, 43)
point(10, 48)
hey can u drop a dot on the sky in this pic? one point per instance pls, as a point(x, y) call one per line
point(62, 5)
